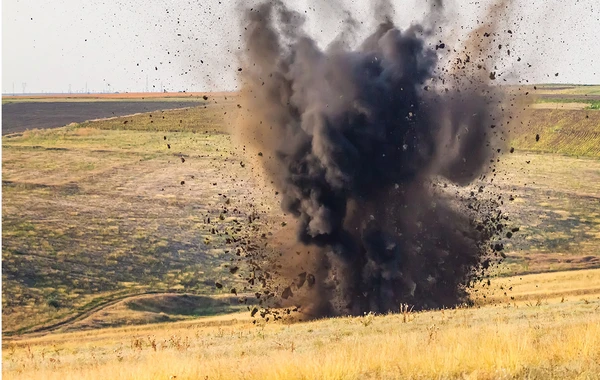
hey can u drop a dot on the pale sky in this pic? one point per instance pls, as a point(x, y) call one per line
point(51, 45)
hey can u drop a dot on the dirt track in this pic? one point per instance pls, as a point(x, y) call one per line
point(78, 316)
point(43, 329)
point(18, 117)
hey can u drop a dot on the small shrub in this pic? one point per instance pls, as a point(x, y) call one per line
point(53, 302)
point(367, 319)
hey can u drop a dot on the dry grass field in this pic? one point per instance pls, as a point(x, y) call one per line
point(551, 332)
point(115, 231)
point(566, 90)
point(561, 131)
point(92, 214)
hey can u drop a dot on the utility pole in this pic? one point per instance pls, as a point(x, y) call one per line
point(146, 82)
point(13, 88)
point(69, 88)
point(86, 90)
point(24, 86)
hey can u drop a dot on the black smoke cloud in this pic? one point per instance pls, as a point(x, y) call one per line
point(369, 147)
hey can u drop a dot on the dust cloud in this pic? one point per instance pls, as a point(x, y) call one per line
point(380, 152)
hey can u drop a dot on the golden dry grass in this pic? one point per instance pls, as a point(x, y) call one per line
point(559, 106)
point(543, 287)
point(554, 339)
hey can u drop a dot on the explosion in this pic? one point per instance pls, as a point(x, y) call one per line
point(371, 149)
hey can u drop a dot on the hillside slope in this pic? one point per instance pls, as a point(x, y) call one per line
point(561, 131)
point(92, 214)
